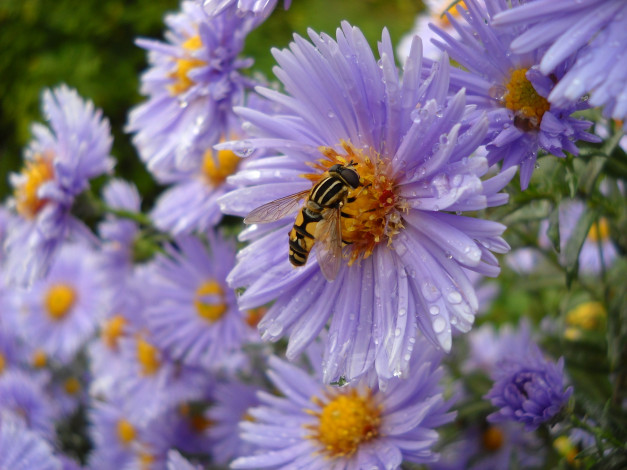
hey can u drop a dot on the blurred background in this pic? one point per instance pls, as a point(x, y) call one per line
point(90, 46)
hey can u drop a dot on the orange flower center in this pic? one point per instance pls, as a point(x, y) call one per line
point(148, 357)
point(126, 432)
point(112, 330)
point(210, 311)
point(492, 439)
point(372, 212)
point(39, 359)
point(35, 174)
point(182, 82)
point(59, 301)
point(72, 386)
point(524, 100)
point(216, 166)
point(600, 231)
point(345, 422)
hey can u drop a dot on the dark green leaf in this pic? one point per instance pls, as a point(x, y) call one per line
point(575, 242)
point(553, 232)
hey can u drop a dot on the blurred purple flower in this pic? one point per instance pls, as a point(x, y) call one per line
point(23, 449)
point(509, 87)
point(60, 161)
point(260, 9)
point(594, 31)
point(527, 388)
point(354, 426)
point(177, 462)
point(403, 268)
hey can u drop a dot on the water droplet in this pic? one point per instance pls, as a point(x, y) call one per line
point(444, 139)
point(439, 324)
point(402, 312)
point(434, 310)
point(430, 291)
point(397, 332)
point(275, 329)
point(331, 114)
point(454, 297)
point(448, 255)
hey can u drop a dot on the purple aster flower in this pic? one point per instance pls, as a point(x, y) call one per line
point(528, 388)
point(59, 313)
point(406, 242)
point(192, 313)
point(354, 426)
point(193, 83)
point(60, 161)
point(23, 399)
point(594, 31)
point(511, 89)
point(177, 462)
point(492, 447)
point(22, 449)
point(232, 400)
point(261, 9)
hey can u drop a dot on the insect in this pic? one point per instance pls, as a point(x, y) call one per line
point(318, 220)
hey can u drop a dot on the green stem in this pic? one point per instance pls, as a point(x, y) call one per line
point(597, 432)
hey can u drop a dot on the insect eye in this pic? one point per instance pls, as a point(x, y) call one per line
point(334, 168)
point(351, 177)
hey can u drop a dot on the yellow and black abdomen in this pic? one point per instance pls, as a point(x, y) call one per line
point(301, 236)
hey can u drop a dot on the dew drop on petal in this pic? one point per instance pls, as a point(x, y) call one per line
point(454, 297)
point(439, 324)
point(434, 310)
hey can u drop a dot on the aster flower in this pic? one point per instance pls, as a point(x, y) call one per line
point(594, 32)
point(528, 388)
point(192, 85)
point(192, 313)
point(354, 426)
point(512, 90)
point(23, 399)
point(177, 462)
point(407, 244)
point(60, 312)
point(60, 161)
point(22, 449)
point(258, 8)
point(432, 14)
point(231, 402)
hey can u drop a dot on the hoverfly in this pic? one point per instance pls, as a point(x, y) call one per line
point(318, 220)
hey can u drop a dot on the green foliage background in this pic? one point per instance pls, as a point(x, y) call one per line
point(90, 46)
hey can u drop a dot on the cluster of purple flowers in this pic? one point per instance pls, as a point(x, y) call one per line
point(368, 184)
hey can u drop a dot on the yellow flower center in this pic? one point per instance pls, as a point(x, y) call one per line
point(254, 316)
point(36, 173)
point(39, 359)
point(126, 432)
point(524, 100)
point(183, 65)
point(146, 460)
point(600, 231)
point(492, 438)
point(439, 16)
point(148, 357)
point(72, 386)
point(216, 166)
point(345, 422)
point(3, 363)
point(59, 300)
point(588, 315)
point(372, 210)
point(113, 330)
point(566, 449)
point(211, 312)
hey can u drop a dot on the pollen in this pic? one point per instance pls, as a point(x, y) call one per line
point(148, 357)
point(72, 386)
point(216, 166)
point(35, 174)
point(182, 82)
point(492, 439)
point(112, 330)
point(126, 432)
point(524, 100)
point(371, 214)
point(210, 311)
point(59, 301)
point(345, 422)
point(600, 231)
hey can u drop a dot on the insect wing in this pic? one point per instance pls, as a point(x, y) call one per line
point(276, 210)
point(328, 235)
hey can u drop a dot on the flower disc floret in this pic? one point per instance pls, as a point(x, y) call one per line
point(59, 300)
point(148, 357)
point(37, 172)
point(522, 98)
point(217, 166)
point(346, 422)
point(210, 311)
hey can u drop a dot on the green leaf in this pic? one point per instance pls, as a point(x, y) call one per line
point(553, 232)
point(591, 172)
